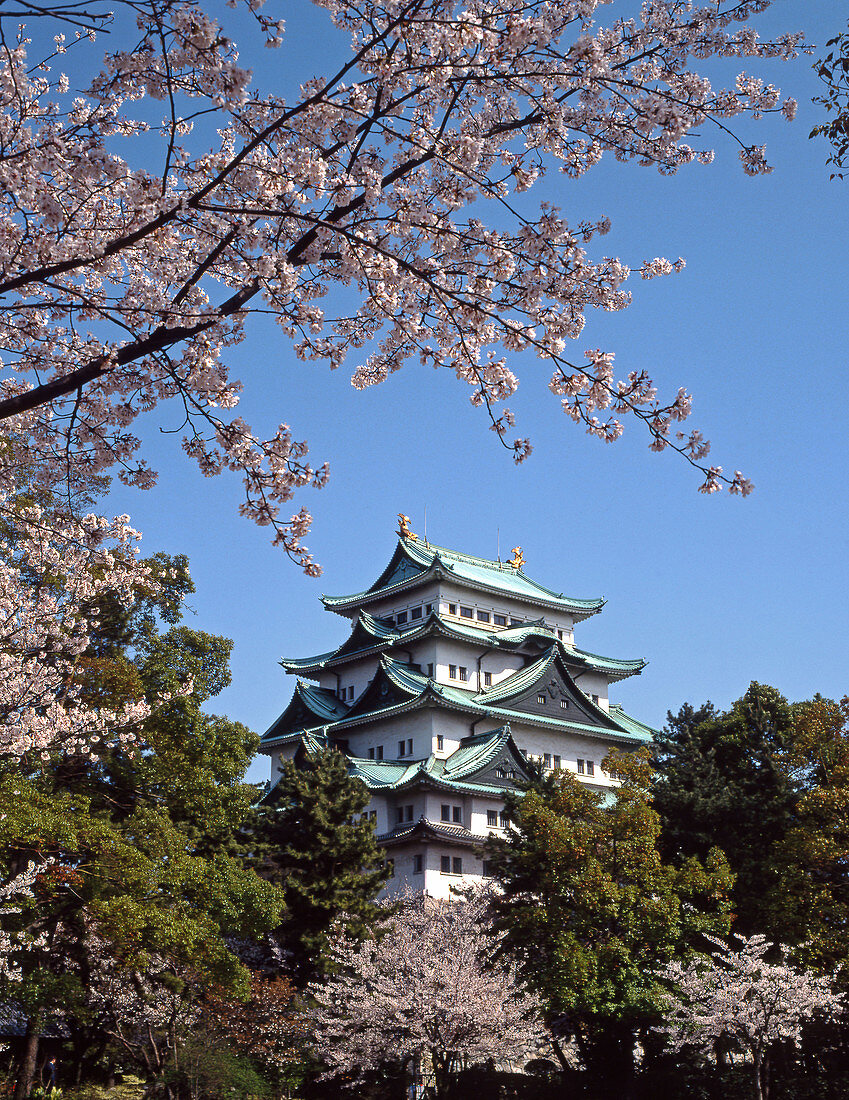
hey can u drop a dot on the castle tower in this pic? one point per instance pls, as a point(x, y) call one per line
point(456, 671)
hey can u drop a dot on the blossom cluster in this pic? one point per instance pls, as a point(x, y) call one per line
point(52, 574)
point(423, 989)
point(125, 280)
point(737, 994)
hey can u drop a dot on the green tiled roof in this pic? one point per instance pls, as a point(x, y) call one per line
point(624, 727)
point(520, 681)
point(456, 773)
point(475, 753)
point(376, 635)
point(415, 561)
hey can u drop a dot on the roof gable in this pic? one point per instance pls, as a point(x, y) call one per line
point(491, 758)
point(309, 706)
point(392, 684)
point(414, 560)
point(546, 687)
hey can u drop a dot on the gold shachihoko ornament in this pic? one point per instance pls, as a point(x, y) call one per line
point(404, 527)
point(517, 561)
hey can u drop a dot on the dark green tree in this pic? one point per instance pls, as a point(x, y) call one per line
point(138, 842)
point(590, 911)
point(313, 843)
point(720, 783)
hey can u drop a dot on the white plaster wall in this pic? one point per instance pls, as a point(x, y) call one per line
point(378, 803)
point(478, 814)
point(435, 801)
point(594, 683)
point(357, 674)
point(417, 724)
point(405, 601)
point(504, 605)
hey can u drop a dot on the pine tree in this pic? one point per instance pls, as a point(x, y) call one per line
point(314, 845)
point(720, 783)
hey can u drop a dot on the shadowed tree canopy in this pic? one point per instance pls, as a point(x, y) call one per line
point(311, 841)
point(590, 910)
point(720, 782)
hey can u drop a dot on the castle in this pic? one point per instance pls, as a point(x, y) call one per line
point(456, 671)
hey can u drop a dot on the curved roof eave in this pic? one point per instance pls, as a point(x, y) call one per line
point(439, 561)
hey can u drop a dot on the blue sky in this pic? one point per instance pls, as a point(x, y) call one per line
point(713, 591)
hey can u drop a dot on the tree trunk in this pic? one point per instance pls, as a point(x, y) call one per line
point(26, 1070)
point(610, 1061)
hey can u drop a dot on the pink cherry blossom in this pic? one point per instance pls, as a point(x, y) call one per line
point(384, 213)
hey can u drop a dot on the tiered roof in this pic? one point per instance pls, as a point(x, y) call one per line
point(416, 562)
point(370, 636)
point(398, 688)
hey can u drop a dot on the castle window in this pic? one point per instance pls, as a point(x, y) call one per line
point(372, 815)
point(546, 759)
point(487, 679)
point(401, 618)
point(452, 609)
point(418, 864)
point(484, 617)
point(445, 865)
point(504, 821)
point(492, 818)
point(590, 767)
point(541, 700)
point(408, 813)
point(371, 754)
point(457, 865)
point(580, 767)
point(440, 742)
point(351, 692)
point(400, 748)
point(500, 620)
point(452, 672)
point(444, 812)
point(457, 813)
point(464, 674)
point(557, 762)
point(416, 613)
point(486, 868)
point(430, 670)
point(564, 704)
point(515, 622)
point(466, 613)
point(594, 699)
point(379, 752)
point(399, 815)
point(428, 608)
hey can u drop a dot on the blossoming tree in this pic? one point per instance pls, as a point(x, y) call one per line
point(738, 997)
point(382, 210)
point(52, 574)
point(423, 992)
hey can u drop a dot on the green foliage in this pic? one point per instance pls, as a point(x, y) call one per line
point(215, 1072)
point(590, 911)
point(833, 71)
point(140, 841)
point(311, 842)
point(811, 893)
point(720, 783)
